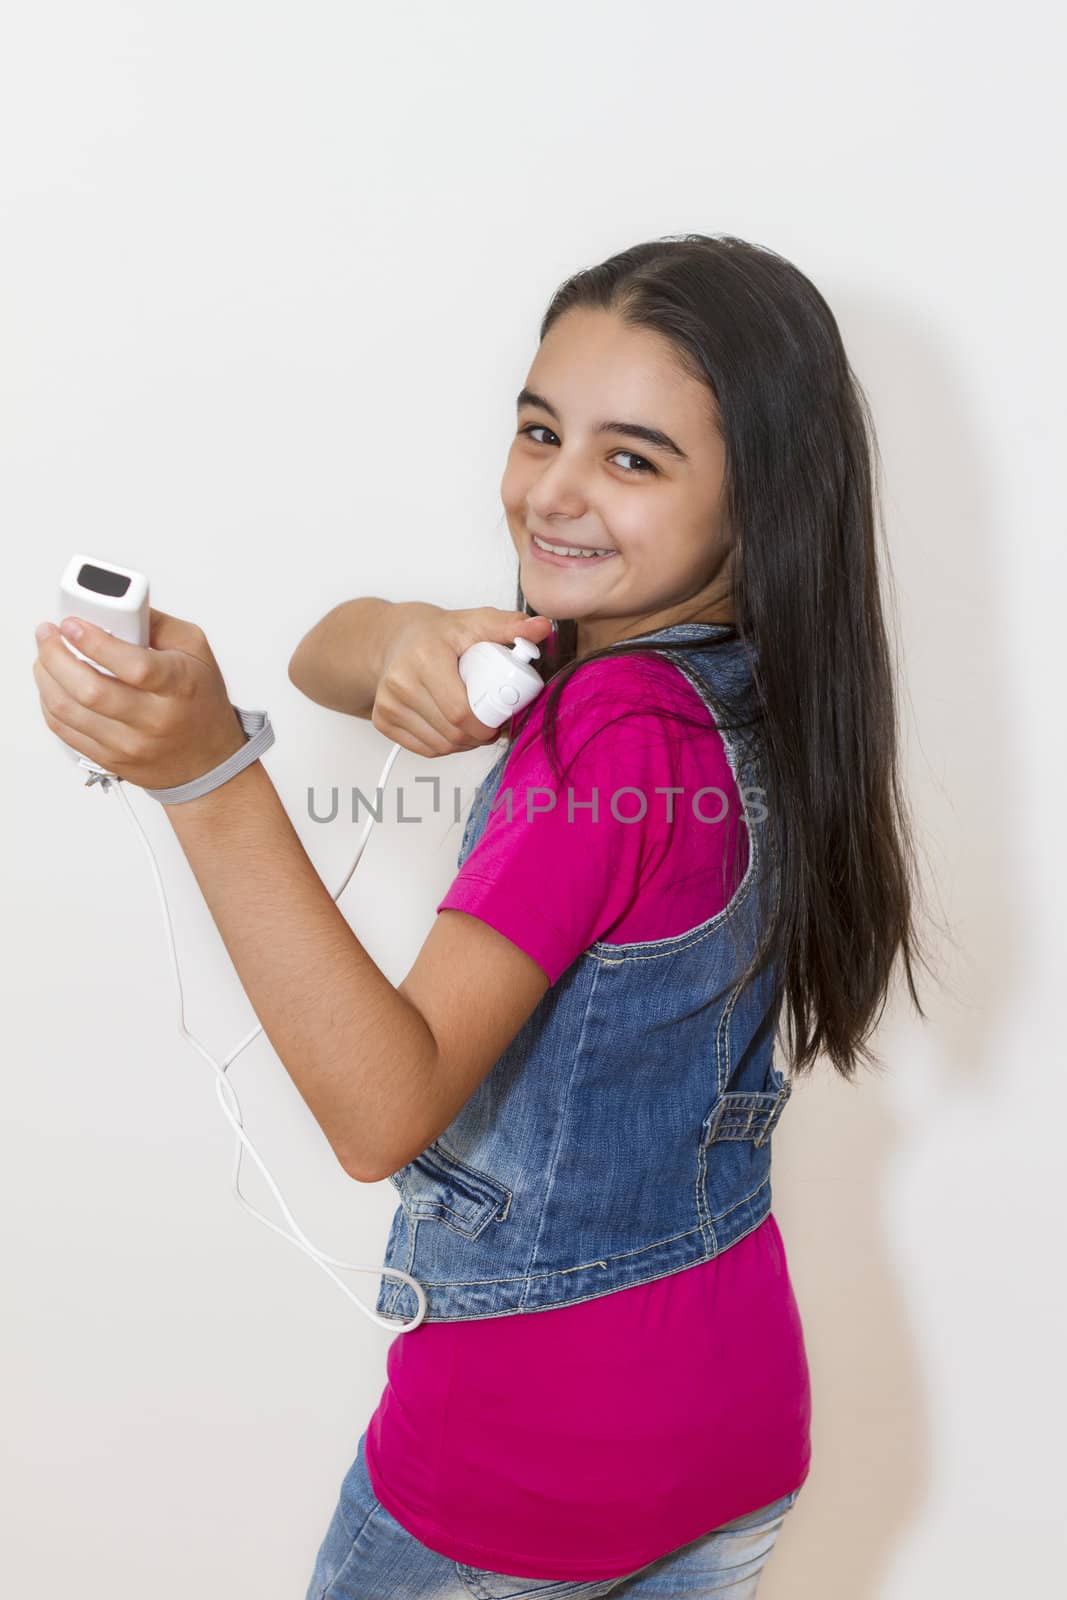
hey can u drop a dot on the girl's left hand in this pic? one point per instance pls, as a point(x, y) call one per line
point(164, 719)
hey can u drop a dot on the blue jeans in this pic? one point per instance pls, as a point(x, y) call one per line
point(367, 1555)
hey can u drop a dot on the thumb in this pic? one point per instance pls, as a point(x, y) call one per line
point(540, 631)
point(166, 632)
point(519, 625)
point(495, 626)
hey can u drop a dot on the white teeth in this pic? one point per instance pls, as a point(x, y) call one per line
point(566, 550)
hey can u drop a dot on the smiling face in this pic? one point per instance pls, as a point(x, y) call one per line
point(644, 492)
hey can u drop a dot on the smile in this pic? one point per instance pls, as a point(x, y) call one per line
point(562, 552)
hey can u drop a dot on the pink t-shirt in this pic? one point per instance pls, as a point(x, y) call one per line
point(585, 1441)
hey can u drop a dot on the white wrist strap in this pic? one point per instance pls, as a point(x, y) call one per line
point(260, 738)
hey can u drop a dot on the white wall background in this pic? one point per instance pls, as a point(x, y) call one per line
point(270, 276)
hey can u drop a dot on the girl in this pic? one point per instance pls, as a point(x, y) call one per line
point(695, 832)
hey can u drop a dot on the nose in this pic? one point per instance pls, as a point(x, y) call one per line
point(558, 491)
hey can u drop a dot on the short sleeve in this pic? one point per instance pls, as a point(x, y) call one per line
point(562, 860)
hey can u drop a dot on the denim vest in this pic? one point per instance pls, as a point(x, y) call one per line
point(625, 1131)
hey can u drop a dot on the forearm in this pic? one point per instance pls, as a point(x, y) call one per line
point(339, 662)
point(361, 1055)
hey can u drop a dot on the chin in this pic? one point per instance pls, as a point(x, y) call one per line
point(537, 592)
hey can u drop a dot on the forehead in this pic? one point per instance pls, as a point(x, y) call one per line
point(593, 364)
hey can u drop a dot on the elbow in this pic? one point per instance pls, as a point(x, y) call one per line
point(295, 674)
point(301, 669)
point(304, 679)
point(360, 1171)
point(379, 1172)
point(360, 1175)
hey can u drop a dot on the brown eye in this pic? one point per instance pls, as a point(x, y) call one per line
point(646, 466)
point(533, 427)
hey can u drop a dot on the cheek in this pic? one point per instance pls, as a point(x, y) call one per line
point(644, 538)
point(702, 550)
point(656, 549)
point(513, 485)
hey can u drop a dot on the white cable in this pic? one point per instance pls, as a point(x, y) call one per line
point(297, 1236)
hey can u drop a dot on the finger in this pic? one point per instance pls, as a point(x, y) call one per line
point(83, 744)
point(516, 624)
point(404, 724)
point(438, 695)
point(134, 664)
point(458, 714)
point(107, 731)
point(71, 682)
point(419, 748)
point(416, 693)
point(446, 708)
point(450, 694)
point(175, 633)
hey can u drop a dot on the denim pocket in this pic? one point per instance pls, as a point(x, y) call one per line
point(745, 1114)
point(439, 1186)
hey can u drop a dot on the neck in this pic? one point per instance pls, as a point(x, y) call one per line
point(596, 633)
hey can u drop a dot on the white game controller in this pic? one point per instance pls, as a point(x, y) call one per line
point(499, 681)
point(115, 599)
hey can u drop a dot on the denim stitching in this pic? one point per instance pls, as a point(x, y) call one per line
point(723, 1033)
point(707, 1228)
point(722, 1122)
point(653, 949)
point(480, 1316)
point(784, 1091)
point(623, 1255)
point(486, 1177)
point(389, 1303)
point(437, 1216)
point(546, 1186)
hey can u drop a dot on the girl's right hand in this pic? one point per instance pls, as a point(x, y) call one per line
point(421, 701)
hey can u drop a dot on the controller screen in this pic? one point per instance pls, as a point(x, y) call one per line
point(100, 581)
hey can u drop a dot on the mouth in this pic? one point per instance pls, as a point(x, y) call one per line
point(559, 554)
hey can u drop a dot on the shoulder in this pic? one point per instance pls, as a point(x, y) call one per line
point(615, 706)
point(644, 686)
point(628, 677)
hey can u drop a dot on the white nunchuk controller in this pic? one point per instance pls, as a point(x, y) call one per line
point(499, 681)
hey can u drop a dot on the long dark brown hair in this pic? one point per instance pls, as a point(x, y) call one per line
point(801, 508)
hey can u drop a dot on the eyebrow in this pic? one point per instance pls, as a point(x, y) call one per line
point(634, 430)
